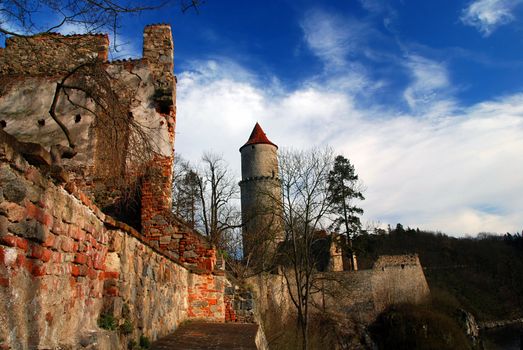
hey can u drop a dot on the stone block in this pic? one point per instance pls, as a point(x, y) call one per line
point(165, 240)
point(112, 262)
point(35, 154)
point(13, 211)
point(189, 254)
point(31, 229)
point(115, 241)
point(13, 188)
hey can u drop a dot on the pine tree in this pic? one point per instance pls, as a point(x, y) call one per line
point(343, 189)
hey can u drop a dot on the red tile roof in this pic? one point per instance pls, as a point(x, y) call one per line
point(258, 136)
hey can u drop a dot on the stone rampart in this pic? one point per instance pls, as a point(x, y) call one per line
point(64, 264)
point(361, 295)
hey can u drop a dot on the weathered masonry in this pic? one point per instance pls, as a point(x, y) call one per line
point(107, 148)
point(64, 263)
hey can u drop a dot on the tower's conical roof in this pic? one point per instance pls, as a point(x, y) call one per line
point(257, 136)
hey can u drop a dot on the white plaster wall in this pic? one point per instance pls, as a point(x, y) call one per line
point(29, 99)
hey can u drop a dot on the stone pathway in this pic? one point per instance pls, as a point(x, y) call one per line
point(216, 336)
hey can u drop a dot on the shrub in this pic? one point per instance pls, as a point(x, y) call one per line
point(145, 342)
point(107, 321)
point(126, 327)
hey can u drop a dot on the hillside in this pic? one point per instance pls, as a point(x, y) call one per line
point(483, 275)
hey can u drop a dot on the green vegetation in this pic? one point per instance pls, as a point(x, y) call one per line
point(107, 321)
point(126, 327)
point(484, 275)
point(145, 343)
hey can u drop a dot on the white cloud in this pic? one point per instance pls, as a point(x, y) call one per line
point(430, 83)
point(487, 15)
point(332, 37)
point(459, 172)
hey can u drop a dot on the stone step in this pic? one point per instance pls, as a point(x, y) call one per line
point(203, 335)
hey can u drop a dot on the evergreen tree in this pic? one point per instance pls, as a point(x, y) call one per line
point(343, 189)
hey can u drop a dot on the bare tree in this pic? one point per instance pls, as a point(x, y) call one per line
point(208, 197)
point(25, 17)
point(217, 192)
point(305, 209)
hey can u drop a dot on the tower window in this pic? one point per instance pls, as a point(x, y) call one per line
point(252, 146)
point(77, 118)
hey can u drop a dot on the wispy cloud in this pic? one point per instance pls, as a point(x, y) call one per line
point(487, 15)
point(333, 38)
point(429, 83)
point(444, 173)
point(427, 160)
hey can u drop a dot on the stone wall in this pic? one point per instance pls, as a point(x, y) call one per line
point(29, 71)
point(63, 264)
point(398, 279)
point(50, 54)
point(361, 295)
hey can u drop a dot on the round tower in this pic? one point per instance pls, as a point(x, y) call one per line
point(260, 197)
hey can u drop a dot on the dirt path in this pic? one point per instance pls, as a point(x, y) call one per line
point(201, 335)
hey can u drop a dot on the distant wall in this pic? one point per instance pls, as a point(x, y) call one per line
point(63, 263)
point(398, 279)
point(361, 294)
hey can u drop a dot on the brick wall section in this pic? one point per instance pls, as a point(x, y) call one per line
point(158, 50)
point(156, 197)
point(206, 298)
point(230, 313)
point(51, 54)
point(63, 263)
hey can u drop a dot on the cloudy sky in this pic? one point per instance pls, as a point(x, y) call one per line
point(425, 97)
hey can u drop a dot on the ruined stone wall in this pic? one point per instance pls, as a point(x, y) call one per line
point(361, 295)
point(398, 279)
point(51, 54)
point(158, 51)
point(63, 264)
point(29, 71)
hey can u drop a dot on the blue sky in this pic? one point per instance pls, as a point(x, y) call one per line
point(425, 97)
